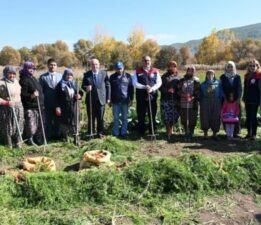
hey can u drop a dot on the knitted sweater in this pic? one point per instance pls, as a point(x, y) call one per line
point(14, 91)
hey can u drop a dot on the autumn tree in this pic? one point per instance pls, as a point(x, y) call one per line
point(82, 50)
point(68, 60)
point(258, 50)
point(243, 49)
point(9, 55)
point(60, 51)
point(226, 37)
point(104, 45)
point(166, 54)
point(151, 48)
point(185, 56)
point(121, 53)
point(103, 50)
point(135, 40)
point(41, 51)
point(25, 54)
point(209, 49)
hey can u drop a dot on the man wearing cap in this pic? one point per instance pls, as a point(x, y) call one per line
point(49, 81)
point(147, 81)
point(121, 98)
point(97, 86)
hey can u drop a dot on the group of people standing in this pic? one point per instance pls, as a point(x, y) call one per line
point(35, 110)
point(219, 100)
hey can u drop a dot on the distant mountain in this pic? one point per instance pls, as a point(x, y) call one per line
point(250, 31)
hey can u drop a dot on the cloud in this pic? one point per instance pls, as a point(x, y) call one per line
point(161, 37)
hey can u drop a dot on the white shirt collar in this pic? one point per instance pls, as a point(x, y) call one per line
point(54, 73)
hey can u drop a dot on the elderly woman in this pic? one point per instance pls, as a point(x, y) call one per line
point(169, 98)
point(31, 92)
point(66, 98)
point(252, 97)
point(210, 104)
point(231, 84)
point(11, 109)
point(189, 93)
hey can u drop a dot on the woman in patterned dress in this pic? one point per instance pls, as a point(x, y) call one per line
point(189, 93)
point(31, 90)
point(169, 98)
point(10, 103)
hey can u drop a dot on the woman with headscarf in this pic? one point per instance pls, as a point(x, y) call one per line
point(31, 90)
point(231, 84)
point(66, 98)
point(11, 107)
point(210, 104)
point(169, 98)
point(189, 93)
point(252, 96)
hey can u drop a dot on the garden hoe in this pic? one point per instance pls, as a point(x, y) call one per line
point(41, 119)
point(152, 135)
point(76, 135)
point(187, 132)
point(91, 135)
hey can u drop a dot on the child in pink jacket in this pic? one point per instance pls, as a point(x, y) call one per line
point(230, 115)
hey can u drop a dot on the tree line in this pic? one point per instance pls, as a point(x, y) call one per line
point(217, 48)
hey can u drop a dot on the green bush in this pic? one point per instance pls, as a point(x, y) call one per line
point(61, 189)
point(189, 173)
point(252, 165)
point(163, 176)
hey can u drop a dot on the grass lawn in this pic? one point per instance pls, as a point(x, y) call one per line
point(151, 182)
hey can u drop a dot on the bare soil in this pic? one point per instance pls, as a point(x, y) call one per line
point(234, 209)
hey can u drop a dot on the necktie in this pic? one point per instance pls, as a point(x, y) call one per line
point(94, 78)
point(53, 79)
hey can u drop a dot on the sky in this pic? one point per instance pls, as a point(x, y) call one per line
point(31, 22)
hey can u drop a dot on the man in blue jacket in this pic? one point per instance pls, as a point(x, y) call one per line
point(48, 81)
point(121, 98)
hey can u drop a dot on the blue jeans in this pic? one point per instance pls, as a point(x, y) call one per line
point(120, 113)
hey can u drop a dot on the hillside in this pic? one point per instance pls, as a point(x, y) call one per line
point(252, 31)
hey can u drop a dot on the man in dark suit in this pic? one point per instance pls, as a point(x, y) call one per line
point(48, 81)
point(97, 86)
